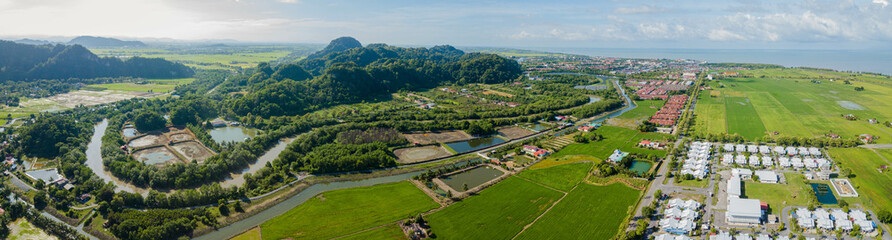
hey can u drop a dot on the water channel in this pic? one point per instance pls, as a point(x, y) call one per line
point(475, 144)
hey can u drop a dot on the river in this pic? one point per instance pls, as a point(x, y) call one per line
point(94, 161)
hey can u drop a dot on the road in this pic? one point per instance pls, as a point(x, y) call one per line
point(877, 146)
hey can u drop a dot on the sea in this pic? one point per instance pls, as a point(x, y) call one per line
point(875, 61)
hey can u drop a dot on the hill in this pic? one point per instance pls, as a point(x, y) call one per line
point(32, 41)
point(29, 62)
point(337, 45)
point(100, 42)
point(364, 73)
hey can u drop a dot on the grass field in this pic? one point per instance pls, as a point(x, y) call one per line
point(614, 138)
point(645, 109)
point(588, 212)
point(24, 230)
point(555, 161)
point(498, 212)
point(561, 177)
point(874, 187)
point(226, 57)
point(151, 85)
point(754, 107)
point(346, 211)
point(253, 234)
point(779, 196)
point(391, 231)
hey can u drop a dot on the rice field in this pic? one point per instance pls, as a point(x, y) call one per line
point(342, 212)
point(873, 186)
point(588, 212)
point(498, 212)
point(756, 107)
point(614, 138)
point(561, 177)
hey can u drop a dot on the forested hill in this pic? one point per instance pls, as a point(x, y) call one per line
point(28, 62)
point(337, 45)
point(98, 42)
point(362, 73)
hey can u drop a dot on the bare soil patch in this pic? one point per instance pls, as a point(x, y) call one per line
point(515, 132)
point(192, 151)
point(417, 154)
point(158, 156)
point(435, 137)
point(147, 140)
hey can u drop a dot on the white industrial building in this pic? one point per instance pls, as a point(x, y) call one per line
point(744, 211)
point(767, 176)
point(742, 173)
point(734, 187)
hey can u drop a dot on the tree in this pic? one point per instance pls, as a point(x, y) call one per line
point(465, 187)
point(39, 184)
point(40, 200)
point(884, 216)
point(184, 115)
point(148, 121)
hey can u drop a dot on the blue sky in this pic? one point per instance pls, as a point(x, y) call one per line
point(855, 24)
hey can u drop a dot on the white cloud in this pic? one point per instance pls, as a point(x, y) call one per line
point(643, 9)
point(724, 35)
point(882, 2)
point(288, 1)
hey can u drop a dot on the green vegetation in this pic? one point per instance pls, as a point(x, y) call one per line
point(149, 121)
point(788, 101)
point(347, 211)
point(588, 212)
point(50, 136)
point(614, 138)
point(157, 223)
point(872, 184)
point(793, 193)
point(498, 212)
point(562, 177)
point(392, 232)
point(253, 234)
point(150, 85)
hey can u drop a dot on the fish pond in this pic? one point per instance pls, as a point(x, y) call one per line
point(474, 144)
point(473, 178)
point(640, 167)
point(233, 134)
point(823, 192)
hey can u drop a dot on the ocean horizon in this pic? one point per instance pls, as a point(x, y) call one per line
point(875, 61)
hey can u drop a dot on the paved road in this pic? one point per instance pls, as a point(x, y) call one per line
point(877, 146)
point(656, 183)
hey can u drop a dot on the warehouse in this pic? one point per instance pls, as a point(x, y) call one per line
point(744, 211)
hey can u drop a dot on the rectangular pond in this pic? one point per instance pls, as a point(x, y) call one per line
point(473, 178)
point(823, 192)
point(474, 144)
point(640, 167)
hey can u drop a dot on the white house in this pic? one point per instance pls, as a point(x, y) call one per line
point(764, 150)
point(802, 150)
point(767, 161)
point(740, 148)
point(754, 160)
point(791, 151)
point(779, 150)
point(796, 162)
point(728, 147)
point(727, 159)
point(814, 151)
point(784, 162)
point(752, 148)
point(740, 160)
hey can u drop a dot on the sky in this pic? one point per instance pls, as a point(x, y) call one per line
point(729, 24)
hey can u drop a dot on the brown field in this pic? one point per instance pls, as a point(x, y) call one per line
point(514, 132)
point(418, 154)
point(435, 137)
point(179, 137)
point(147, 140)
point(193, 150)
point(487, 92)
point(158, 156)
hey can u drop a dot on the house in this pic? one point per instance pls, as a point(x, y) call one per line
point(767, 176)
point(83, 198)
point(728, 147)
point(767, 161)
point(779, 150)
point(833, 135)
point(740, 148)
point(814, 151)
point(651, 144)
point(721, 236)
point(617, 156)
point(585, 128)
point(764, 150)
point(727, 159)
point(743, 211)
point(218, 123)
point(754, 161)
point(541, 153)
point(784, 162)
point(752, 148)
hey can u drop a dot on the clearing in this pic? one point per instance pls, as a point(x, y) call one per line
point(418, 154)
point(24, 230)
point(436, 136)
